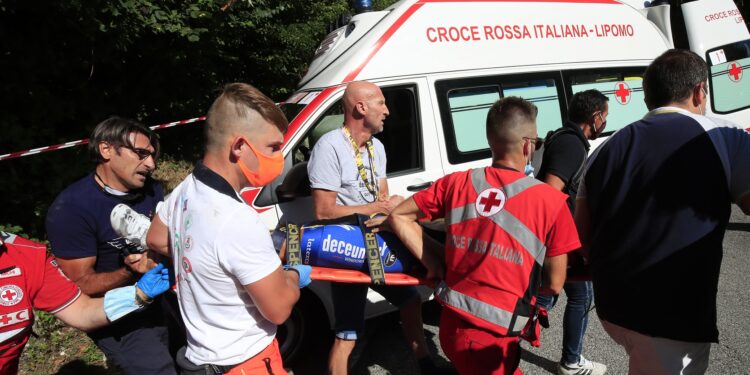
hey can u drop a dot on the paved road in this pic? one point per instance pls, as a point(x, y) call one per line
point(384, 351)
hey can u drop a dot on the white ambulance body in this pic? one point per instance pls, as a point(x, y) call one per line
point(441, 64)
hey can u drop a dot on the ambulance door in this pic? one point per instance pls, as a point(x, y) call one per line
point(464, 104)
point(622, 86)
point(408, 133)
point(409, 137)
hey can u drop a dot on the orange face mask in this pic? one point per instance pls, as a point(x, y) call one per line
point(269, 167)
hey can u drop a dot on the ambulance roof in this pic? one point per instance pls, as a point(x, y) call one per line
point(415, 37)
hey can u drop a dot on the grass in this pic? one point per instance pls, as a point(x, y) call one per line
point(58, 349)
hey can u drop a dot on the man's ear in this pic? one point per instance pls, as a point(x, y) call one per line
point(106, 150)
point(361, 108)
point(698, 98)
point(235, 148)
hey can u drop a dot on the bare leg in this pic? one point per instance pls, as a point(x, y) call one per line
point(412, 326)
point(338, 359)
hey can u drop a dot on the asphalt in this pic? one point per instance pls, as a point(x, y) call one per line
point(384, 351)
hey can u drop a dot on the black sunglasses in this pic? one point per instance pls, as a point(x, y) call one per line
point(141, 152)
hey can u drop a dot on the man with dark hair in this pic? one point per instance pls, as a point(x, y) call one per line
point(232, 289)
point(91, 253)
point(652, 210)
point(565, 153)
point(503, 230)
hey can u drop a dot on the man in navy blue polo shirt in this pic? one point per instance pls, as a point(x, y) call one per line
point(96, 258)
point(652, 211)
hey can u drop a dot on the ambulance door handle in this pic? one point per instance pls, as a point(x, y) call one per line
point(419, 187)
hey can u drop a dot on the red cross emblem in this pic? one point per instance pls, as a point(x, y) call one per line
point(14, 317)
point(490, 202)
point(10, 295)
point(735, 71)
point(622, 93)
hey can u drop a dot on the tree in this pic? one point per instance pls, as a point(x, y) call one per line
point(68, 65)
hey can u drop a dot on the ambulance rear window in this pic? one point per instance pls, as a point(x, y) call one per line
point(729, 88)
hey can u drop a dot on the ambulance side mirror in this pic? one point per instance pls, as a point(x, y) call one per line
point(296, 184)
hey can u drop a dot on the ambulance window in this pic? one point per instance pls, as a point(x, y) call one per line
point(464, 104)
point(729, 88)
point(400, 135)
point(468, 109)
point(624, 90)
point(333, 118)
point(543, 93)
point(401, 131)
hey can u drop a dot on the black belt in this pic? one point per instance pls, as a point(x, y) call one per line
point(190, 368)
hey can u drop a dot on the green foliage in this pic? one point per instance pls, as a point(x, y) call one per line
point(68, 65)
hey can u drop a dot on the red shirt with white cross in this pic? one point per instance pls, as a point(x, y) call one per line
point(498, 257)
point(29, 279)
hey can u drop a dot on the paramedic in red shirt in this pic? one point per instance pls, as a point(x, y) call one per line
point(30, 279)
point(505, 232)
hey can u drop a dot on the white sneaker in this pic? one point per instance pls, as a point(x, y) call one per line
point(130, 224)
point(583, 367)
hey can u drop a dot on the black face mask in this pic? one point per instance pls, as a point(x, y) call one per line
point(125, 197)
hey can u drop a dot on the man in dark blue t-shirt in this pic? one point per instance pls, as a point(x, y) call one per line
point(652, 211)
point(97, 259)
point(565, 153)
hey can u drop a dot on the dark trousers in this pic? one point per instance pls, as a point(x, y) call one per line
point(142, 351)
point(576, 319)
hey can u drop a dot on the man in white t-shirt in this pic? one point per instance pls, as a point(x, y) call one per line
point(232, 289)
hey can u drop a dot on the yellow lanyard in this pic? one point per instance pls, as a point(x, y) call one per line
point(372, 187)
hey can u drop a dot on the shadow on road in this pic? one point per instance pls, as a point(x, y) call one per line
point(542, 362)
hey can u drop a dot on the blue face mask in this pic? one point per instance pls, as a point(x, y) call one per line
point(529, 170)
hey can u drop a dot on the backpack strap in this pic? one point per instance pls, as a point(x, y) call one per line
point(554, 135)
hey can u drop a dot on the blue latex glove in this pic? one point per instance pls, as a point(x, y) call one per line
point(155, 281)
point(304, 273)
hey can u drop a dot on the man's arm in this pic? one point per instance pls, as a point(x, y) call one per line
point(554, 181)
point(85, 313)
point(325, 205)
point(157, 238)
point(81, 271)
point(404, 223)
point(275, 294)
point(554, 274)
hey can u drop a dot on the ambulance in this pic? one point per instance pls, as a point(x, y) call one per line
point(441, 64)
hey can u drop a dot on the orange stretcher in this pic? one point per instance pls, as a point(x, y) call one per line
point(355, 276)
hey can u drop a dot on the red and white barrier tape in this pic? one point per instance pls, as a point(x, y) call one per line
point(79, 142)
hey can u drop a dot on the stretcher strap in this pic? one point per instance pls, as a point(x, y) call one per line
point(374, 262)
point(293, 254)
